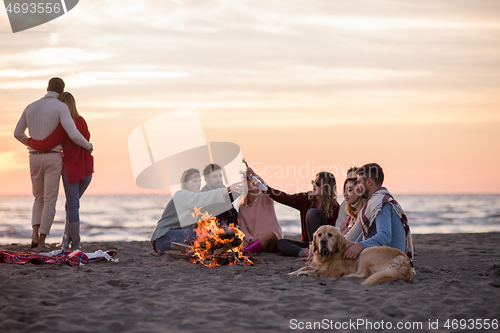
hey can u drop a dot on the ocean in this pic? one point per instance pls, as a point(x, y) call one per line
point(134, 217)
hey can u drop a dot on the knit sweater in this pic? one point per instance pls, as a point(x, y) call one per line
point(43, 116)
point(180, 208)
point(259, 218)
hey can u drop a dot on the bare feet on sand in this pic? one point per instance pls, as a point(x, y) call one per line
point(41, 248)
point(34, 236)
point(41, 243)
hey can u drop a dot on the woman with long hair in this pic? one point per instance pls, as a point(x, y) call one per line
point(354, 204)
point(351, 173)
point(317, 207)
point(78, 166)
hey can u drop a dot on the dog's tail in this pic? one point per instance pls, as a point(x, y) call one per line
point(399, 269)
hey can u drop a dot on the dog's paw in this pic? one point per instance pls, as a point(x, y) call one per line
point(303, 273)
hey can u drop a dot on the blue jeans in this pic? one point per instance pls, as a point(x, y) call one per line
point(185, 236)
point(74, 192)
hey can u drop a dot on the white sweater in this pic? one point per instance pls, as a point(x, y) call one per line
point(43, 116)
point(177, 214)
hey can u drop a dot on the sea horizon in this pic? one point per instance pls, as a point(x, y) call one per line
point(133, 217)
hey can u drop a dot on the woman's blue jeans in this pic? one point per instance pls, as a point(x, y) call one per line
point(185, 236)
point(74, 192)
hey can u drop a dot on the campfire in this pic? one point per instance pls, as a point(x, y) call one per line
point(216, 246)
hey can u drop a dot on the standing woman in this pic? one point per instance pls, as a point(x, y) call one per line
point(317, 207)
point(78, 166)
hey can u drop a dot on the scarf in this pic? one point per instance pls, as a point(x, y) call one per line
point(369, 213)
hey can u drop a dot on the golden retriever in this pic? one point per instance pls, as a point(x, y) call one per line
point(375, 264)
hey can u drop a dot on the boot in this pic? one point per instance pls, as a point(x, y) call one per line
point(253, 247)
point(74, 232)
point(66, 239)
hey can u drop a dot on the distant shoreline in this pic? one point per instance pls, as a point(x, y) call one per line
point(133, 217)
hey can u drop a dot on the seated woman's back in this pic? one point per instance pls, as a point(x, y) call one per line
point(259, 217)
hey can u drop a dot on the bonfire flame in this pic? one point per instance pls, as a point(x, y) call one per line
point(214, 245)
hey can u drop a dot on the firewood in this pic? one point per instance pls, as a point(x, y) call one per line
point(181, 246)
point(218, 248)
point(209, 241)
point(227, 234)
point(222, 261)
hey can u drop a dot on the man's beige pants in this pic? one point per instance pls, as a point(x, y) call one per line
point(45, 172)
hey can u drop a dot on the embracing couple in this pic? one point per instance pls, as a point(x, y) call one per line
point(58, 145)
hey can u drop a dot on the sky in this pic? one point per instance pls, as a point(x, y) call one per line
point(300, 86)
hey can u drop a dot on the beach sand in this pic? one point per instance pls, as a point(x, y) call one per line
point(458, 277)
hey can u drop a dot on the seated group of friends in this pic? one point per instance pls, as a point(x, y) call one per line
point(369, 215)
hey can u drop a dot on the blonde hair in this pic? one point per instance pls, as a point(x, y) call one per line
point(185, 176)
point(328, 188)
point(69, 100)
point(351, 210)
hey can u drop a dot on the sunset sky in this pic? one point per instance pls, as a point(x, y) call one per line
point(298, 85)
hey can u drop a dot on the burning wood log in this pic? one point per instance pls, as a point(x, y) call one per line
point(215, 261)
point(181, 246)
point(228, 234)
point(208, 243)
point(228, 246)
point(215, 246)
point(212, 241)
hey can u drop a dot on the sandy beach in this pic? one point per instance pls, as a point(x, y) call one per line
point(458, 277)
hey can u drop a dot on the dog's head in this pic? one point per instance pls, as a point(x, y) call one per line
point(326, 240)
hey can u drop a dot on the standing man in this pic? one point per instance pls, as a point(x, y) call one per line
point(383, 221)
point(225, 212)
point(41, 118)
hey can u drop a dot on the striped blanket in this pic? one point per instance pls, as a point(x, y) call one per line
point(74, 259)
